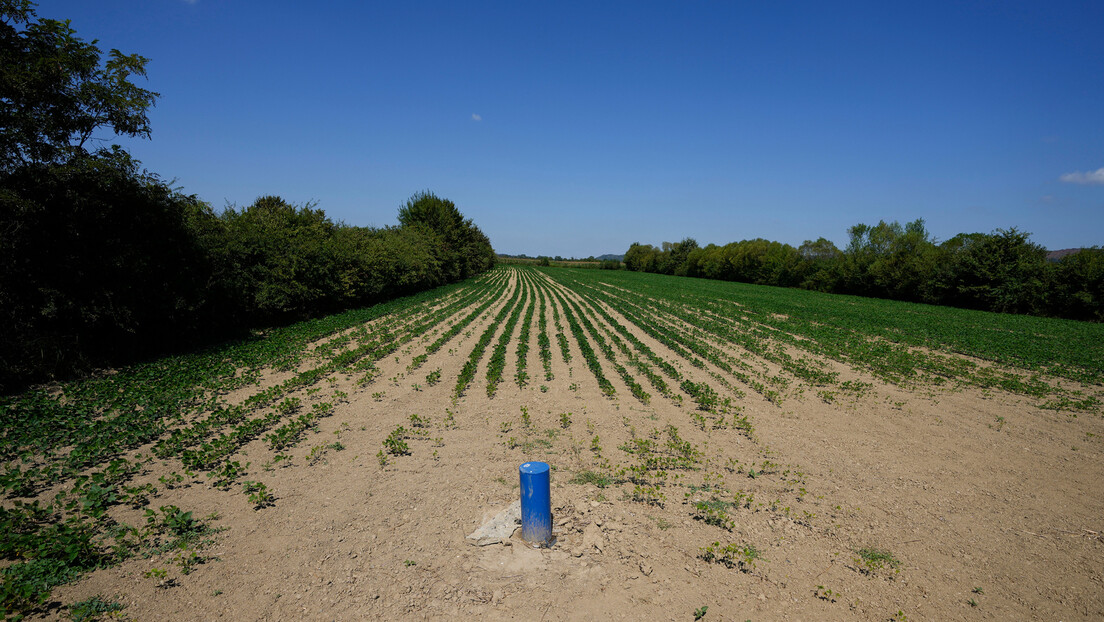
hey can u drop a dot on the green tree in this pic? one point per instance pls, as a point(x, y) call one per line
point(888, 260)
point(100, 264)
point(462, 249)
point(674, 259)
point(819, 264)
point(1003, 271)
point(55, 93)
point(281, 261)
point(1079, 286)
point(641, 257)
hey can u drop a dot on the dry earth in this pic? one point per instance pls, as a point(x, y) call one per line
point(993, 508)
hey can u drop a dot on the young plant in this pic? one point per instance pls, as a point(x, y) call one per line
point(732, 555)
point(394, 443)
point(258, 494)
point(870, 560)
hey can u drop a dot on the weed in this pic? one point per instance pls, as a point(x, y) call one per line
point(565, 420)
point(596, 445)
point(227, 473)
point(825, 594)
point(648, 495)
point(714, 512)
point(279, 460)
point(172, 480)
point(318, 452)
point(732, 555)
point(600, 480)
point(433, 377)
point(872, 559)
point(188, 559)
point(394, 443)
point(93, 608)
point(258, 494)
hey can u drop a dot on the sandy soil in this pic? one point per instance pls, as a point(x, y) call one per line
point(991, 507)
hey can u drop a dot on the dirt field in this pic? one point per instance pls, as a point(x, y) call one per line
point(968, 504)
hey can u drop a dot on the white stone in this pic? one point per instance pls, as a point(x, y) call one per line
point(499, 528)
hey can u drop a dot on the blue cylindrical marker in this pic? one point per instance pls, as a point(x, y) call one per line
point(536, 503)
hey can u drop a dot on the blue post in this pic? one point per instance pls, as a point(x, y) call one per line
point(536, 503)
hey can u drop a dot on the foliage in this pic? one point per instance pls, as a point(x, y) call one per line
point(732, 555)
point(100, 263)
point(55, 92)
point(79, 441)
point(871, 559)
point(462, 248)
point(105, 264)
point(93, 608)
point(69, 453)
point(898, 342)
point(109, 264)
point(1001, 271)
point(394, 443)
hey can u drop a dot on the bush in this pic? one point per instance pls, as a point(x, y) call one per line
point(100, 263)
point(109, 264)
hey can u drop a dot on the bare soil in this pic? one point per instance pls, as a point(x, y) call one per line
point(989, 507)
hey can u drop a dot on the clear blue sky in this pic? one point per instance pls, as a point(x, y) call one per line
point(579, 128)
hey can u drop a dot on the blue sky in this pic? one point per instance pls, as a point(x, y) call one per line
point(574, 129)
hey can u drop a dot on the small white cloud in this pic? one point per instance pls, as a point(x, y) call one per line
point(476, 117)
point(1088, 178)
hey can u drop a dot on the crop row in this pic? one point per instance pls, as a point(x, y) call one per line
point(688, 345)
point(543, 342)
point(521, 377)
point(900, 343)
point(498, 356)
point(467, 373)
point(176, 404)
point(384, 339)
point(634, 387)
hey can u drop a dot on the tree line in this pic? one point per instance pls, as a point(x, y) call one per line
point(1002, 271)
point(102, 262)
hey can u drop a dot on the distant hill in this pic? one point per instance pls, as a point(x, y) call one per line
point(559, 258)
point(1058, 255)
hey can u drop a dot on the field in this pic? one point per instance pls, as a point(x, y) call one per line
point(719, 452)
